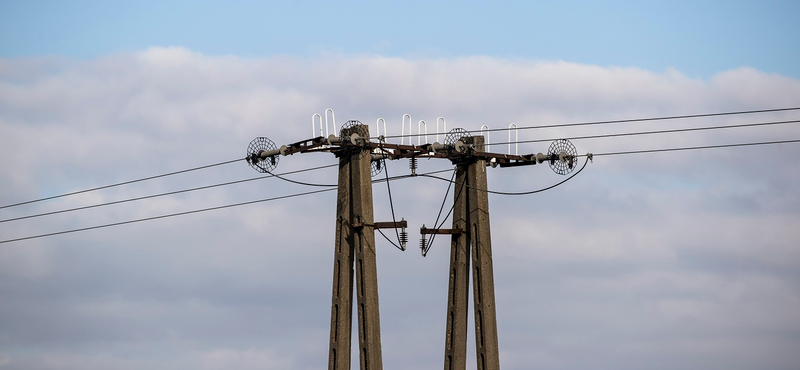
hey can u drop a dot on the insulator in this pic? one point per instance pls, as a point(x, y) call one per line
point(403, 239)
point(423, 244)
point(413, 165)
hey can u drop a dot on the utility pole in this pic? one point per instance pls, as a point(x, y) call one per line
point(354, 258)
point(355, 253)
point(471, 236)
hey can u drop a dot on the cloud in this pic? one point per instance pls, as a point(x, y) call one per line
point(678, 259)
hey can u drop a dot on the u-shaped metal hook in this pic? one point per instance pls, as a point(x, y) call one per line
point(420, 125)
point(333, 123)
point(314, 126)
point(437, 128)
point(485, 134)
point(403, 129)
point(516, 138)
point(378, 127)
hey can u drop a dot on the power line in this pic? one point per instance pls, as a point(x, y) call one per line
point(620, 153)
point(630, 120)
point(402, 177)
point(399, 244)
point(121, 183)
point(436, 223)
point(167, 193)
point(304, 183)
point(194, 211)
point(697, 147)
point(652, 132)
point(488, 130)
point(162, 216)
point(513, 193)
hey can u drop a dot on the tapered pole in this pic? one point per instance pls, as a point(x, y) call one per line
point(471, 218)
point(342, 305)
point(486, 343)
point(458, 288)
point(355, 258)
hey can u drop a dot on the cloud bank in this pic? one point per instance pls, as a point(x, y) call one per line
point(671, 260)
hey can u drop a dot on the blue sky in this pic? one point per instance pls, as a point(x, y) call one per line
point(696, 38)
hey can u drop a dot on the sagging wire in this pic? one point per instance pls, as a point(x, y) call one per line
point(516, 193)
point(400, 240)
point(301, 182)
point(439, 226)
point(425, 246)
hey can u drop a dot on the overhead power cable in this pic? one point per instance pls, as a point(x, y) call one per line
point(163, 216)
point(630, 120)
point(696, 147)
point(402, 177)
point(514, 193)
point(461, 186)
point(165, 194)
point(190, 212)
point(121, 183)
point(436, 223)
point(399, 244)
point(305, 183)
point(690, 129)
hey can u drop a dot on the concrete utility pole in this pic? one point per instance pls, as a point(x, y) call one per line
point(355, 252)
point(355, 235)
point(471, 231)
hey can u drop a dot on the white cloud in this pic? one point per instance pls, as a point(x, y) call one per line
point(675, 255)
point(231, 358)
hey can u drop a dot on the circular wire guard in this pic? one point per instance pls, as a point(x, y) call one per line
point(377, 167)
point(455, 135)
point(256, 146)
point(450, 140)
point(348, 129)
point(571, 156)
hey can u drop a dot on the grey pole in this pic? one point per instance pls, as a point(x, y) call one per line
point(355, 250)
point(471, 217)
point(486, 344)
point(458, 288)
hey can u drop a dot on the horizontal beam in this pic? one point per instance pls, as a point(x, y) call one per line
point(383, 225)
point(399, 151)
point(425, 231)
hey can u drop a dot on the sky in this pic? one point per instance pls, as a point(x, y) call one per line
point(681, 259)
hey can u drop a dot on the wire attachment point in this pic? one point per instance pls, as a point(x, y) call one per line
point(262, 154)
point(562, 155)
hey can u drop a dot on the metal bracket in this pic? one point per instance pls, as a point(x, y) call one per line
point(382, 225)
point(426, 231)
